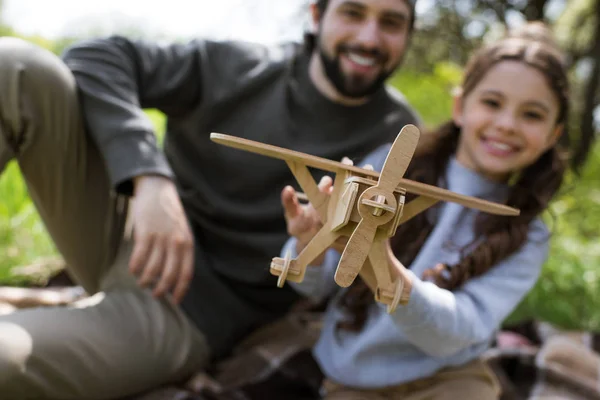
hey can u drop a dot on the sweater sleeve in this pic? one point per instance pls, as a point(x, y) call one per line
point(441, 322)
point(117, 78)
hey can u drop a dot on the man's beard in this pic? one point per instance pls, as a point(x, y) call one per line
point(352, 86)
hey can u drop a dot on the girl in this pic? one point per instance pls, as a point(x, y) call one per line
point(467, 270)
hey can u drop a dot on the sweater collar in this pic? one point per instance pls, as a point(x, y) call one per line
point(468, 182)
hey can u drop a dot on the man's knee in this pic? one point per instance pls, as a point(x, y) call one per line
point(37, 93)
point(15, 349)
point(24, 65)
point(18, 52)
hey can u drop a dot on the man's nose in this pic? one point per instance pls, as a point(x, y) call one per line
point(369, 34)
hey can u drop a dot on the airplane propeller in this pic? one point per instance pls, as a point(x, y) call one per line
point(377, 205)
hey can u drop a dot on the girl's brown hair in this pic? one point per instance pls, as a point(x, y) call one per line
point(531, 191)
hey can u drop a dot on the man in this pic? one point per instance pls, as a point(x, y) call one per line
point(191, 277)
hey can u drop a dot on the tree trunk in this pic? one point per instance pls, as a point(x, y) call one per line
point(591, 98)
point(534, 10)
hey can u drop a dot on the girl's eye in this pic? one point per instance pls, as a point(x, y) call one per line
point(534, 115)
point(491, 103)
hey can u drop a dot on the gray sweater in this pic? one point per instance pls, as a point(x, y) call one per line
point(232, 197)
point(437, 328)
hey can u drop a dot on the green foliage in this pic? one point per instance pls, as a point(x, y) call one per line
point(158, 120)
point(430, 93)
point(567, 293)
point(580, 14)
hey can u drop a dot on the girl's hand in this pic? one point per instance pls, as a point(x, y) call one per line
point(303, 221)
point(398, 270)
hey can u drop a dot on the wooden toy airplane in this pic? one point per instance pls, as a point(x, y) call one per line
point(366, 206)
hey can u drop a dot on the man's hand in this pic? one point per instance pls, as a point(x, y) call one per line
point(163, 252)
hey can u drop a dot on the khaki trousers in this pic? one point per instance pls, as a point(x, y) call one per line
point(472, 381)
point(121, 340)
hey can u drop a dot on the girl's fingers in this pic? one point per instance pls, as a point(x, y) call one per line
point(289, 200)
point(347, 161)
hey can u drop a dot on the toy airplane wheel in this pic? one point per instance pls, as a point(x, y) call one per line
point(286, 268)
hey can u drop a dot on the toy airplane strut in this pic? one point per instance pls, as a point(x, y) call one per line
point(366, 206)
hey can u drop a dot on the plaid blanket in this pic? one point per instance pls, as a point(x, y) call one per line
point(532, 360)
point(537, 361)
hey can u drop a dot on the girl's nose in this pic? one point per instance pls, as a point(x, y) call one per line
point(506, 121)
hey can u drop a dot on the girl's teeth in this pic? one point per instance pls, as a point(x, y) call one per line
point(360, 60)
point(500, 146)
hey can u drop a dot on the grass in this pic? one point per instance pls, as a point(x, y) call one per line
point(23, 237)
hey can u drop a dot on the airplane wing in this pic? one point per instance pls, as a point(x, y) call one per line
point(411, 186)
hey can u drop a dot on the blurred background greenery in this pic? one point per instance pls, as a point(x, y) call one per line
point(568, 292)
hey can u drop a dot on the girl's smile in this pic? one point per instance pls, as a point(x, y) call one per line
point(506, 127)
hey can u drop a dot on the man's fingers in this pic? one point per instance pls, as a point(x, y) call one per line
point(140, 253)
point(153, 266)
point(368, 167)
point(185, 275)
point(169, 272)
point(174, 265)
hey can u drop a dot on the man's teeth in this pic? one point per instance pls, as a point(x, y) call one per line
point(500, 146)
point(360, 60)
